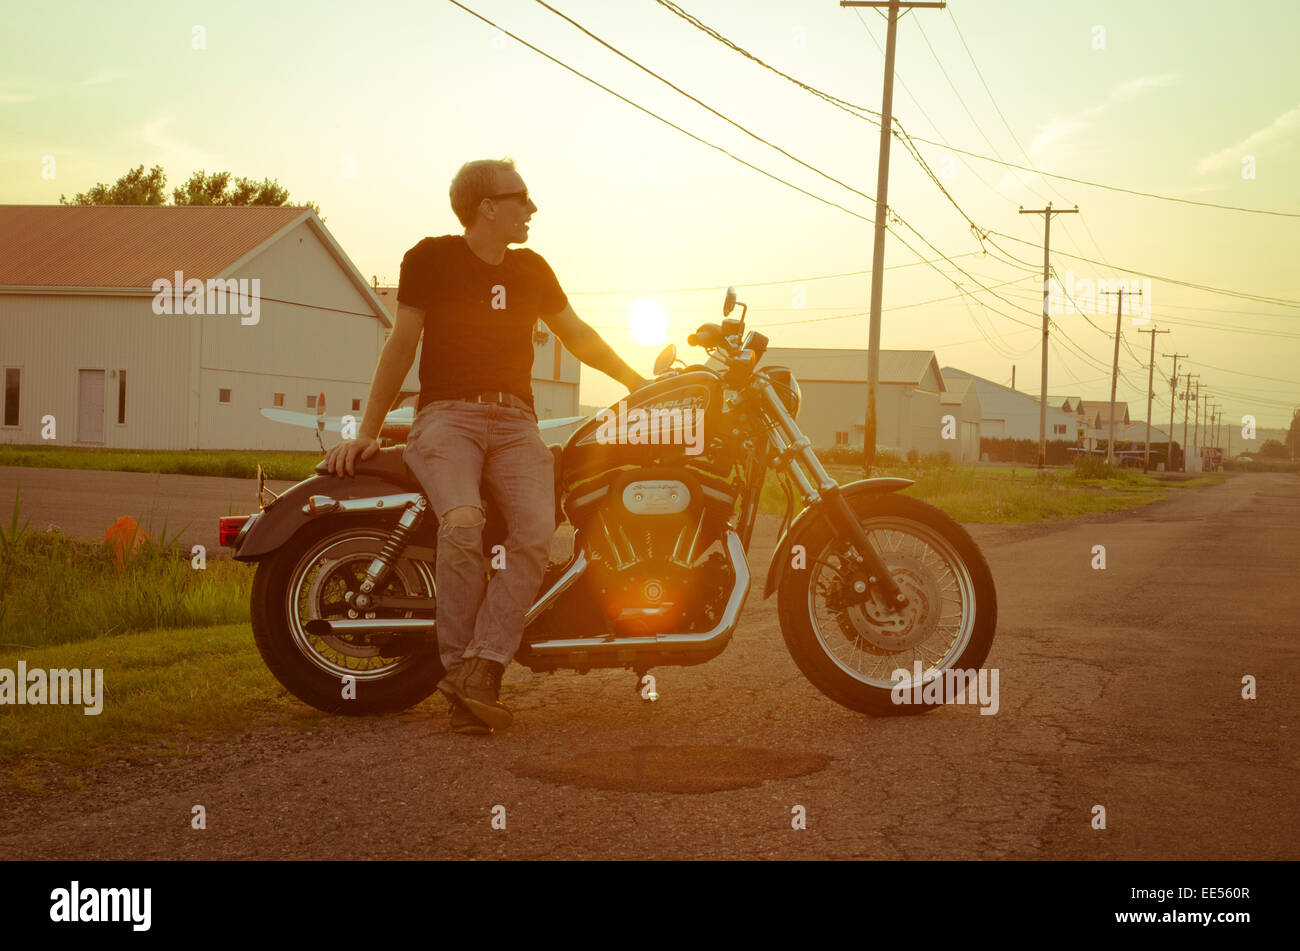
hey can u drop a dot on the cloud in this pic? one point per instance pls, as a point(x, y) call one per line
point(1133, 88)
point(1057, 129)
point(1253, 143)
point(171, 151)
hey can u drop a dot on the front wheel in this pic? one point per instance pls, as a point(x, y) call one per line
point(852, 651)
point(314, 576)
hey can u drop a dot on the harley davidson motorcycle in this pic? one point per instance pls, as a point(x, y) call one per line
point(867, 582)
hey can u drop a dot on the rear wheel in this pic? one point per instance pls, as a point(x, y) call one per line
point(851, 652)
point(314, 576)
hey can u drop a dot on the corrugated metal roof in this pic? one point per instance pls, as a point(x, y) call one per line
point(896, 366)
point(128, 245)
point(956, 388)
point(1101, 410)
point(1001, 402)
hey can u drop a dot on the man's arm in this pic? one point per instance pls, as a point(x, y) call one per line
point(585, 344)
point(394, 362)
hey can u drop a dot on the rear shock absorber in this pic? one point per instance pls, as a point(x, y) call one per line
point(378, 570)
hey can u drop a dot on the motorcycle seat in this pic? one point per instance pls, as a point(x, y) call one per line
point(386, 464)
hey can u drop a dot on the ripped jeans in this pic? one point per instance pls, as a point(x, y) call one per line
point(454, 448)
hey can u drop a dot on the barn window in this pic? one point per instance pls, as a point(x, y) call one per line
point(1058, 429)
point(841, 439)
point(13, 384)
point(311, 402)
point(277, 399)
point(223, 396)
point(121, 397)
point(356, 405)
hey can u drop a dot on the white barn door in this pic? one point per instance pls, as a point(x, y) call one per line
point(90, 406)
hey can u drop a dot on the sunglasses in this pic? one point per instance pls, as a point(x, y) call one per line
point(522, 196)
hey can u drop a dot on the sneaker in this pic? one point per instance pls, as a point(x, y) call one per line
point(462, 721)
point(477, 685)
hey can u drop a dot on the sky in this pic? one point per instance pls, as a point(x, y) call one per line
point(369, 110)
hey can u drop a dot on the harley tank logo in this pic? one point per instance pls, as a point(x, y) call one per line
point(666, 424)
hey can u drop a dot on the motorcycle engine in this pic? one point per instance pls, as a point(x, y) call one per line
point(643, 531)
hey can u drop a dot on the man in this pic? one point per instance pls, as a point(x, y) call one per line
point(476, 302)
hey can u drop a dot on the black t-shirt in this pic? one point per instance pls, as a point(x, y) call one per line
point(479, 317)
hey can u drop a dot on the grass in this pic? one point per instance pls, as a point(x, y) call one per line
point(55, 589)
point(163, 690)
point(292, 466)
point(1010, 495)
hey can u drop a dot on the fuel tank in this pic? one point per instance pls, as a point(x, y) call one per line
point(674, 421)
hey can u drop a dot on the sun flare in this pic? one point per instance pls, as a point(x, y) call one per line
point(647, 322)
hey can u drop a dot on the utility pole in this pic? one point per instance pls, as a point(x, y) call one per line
point(1047, 288)
point(1013, 377)
point(1173, 396)
point(1196, 427)
point(1151, 373)
point(1114, 372)
point(882, 211)
point(1187, 401)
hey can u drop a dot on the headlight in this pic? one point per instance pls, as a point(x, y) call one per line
point(787, 387)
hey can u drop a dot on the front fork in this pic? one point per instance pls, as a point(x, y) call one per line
point(793, 449)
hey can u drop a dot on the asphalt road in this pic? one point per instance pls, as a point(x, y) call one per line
point(1118, 687)
point(84, 503)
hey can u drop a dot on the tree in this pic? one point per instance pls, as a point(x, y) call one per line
point(1272, 449)
point(137, 187)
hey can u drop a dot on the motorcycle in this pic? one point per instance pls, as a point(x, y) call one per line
point(868, 583)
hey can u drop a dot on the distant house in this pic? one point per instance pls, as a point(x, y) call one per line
point(834, 387)
point(160, 327)
point(1009, 414)
point(1096, 413)
point(961, 399)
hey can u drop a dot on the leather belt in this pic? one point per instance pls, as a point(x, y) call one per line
point(499, 397)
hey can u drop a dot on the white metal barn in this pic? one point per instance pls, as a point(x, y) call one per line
point(1010, 414)
point(834, 386)
point(82, 341)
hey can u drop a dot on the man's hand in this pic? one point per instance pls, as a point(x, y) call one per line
point(340, 459)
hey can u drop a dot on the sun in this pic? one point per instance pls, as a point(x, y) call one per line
point(648, 322)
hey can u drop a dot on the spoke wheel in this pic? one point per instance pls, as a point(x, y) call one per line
point(326, 583)
point(850, 648)
point(868, 641)
point(317, 574)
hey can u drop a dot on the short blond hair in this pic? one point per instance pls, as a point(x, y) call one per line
point(475, 181)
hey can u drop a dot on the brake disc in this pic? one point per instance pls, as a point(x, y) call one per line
point(873, 625)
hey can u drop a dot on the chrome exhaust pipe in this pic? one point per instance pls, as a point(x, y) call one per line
point(693, 641)
point(320, 627)
point(711, 639)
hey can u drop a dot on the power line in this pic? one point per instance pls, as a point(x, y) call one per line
point(640, 108)
point(853, 109)
point(1244, 295)
point(1114, 188)
point(1243, 373)
point(798, 280)
point(703, 105)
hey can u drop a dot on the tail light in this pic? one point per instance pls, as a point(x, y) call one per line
point(231, 527)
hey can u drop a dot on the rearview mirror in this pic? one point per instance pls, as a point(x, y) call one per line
point(665, 360)
point(729, 303)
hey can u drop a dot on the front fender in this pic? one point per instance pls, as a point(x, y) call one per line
point(811, 516)
point(280, 520)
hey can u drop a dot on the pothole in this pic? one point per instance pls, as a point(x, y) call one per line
point(675, 769)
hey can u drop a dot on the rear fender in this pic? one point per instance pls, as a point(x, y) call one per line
point(811, 517)
point(284, 517)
